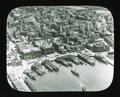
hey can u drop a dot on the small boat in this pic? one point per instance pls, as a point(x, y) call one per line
point(75, 72)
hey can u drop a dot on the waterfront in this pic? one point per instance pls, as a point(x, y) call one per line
point(95, 78)
point(44, 40)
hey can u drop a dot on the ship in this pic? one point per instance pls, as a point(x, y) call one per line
point(30, 85)
point(50, 66)
point(75, 72)
point(30, 74)
point(101, 59)
point(39, 72)
point(86, 58)
point(73, 59)
point(61, 61)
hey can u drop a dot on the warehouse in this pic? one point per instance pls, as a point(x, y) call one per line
point(29, 51)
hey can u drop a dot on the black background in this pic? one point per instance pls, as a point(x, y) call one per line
point(7, 6)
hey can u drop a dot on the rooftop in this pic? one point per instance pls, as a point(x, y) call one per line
point(35, 49)
point(26, 50)
point(47, 45)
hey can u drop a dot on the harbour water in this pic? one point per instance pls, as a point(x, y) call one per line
point(94, 78)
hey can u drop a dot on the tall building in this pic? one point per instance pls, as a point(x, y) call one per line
point(89, 25)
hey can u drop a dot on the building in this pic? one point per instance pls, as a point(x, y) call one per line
point(15, 62)
point(74, 33)
point(55, 33)
point(56, 45)
point(89, 46)
point(100, 47)
point(59, 47)
point(62, 50)
point(28, 51)
point(8, 43)
point(46, 46)
point(97, 46)
point(45, 34)
point(47, 49)
point(109, 40)
point(67, 47)
point(9, 63)
point(15, 82)
point(16, 40)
